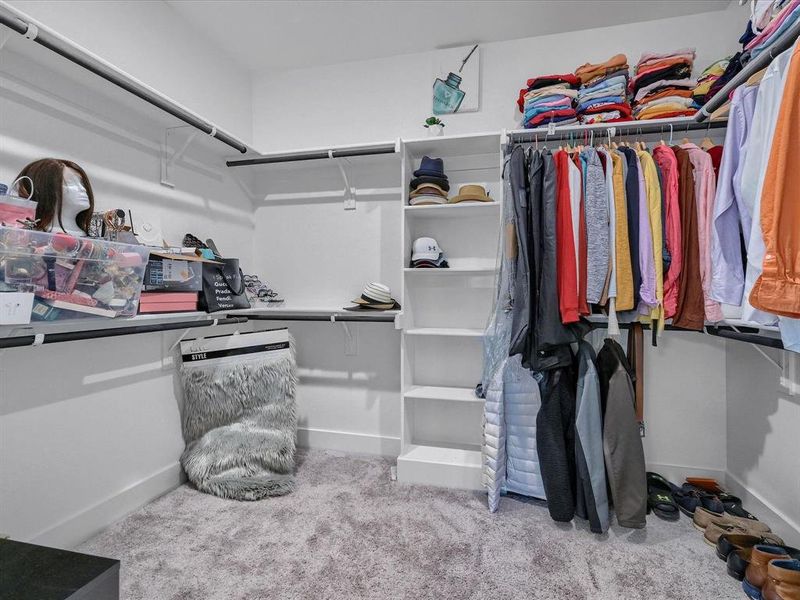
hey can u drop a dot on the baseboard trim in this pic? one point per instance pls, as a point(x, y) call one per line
point(781, 523)
point(84, 524)
point(345, 441)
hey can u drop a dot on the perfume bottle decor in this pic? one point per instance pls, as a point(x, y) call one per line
point(449, 93)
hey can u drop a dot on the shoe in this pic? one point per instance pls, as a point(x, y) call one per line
point(737, 562)
point(756, 574)
point(730, 542)
point(717, 528)
point(733, 506)
point(703, 518)
point(690, 498)
point(783, 580)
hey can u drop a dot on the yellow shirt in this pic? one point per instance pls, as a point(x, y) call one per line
point(622, 269)
point(654, 211)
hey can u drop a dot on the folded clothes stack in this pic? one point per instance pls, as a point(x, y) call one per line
point(603, 96)
point(710, 75)
point(548, 99)
point(430, 185)
point(661, 86)
point(787, 15)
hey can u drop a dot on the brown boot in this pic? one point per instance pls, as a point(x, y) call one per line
point(756, 574)
point(783, 580)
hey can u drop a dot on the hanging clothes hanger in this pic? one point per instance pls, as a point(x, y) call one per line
point(755, 78)
point(707, 142)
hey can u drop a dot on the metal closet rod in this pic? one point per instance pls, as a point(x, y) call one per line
point(91, 334)
point(314, 155)
point(62, 48)
point(750, 338)
point(676, 126)
point(331, 318)
point(784, 41)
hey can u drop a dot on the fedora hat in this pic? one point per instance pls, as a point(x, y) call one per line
point(440, 182)
point(430, 167)
point(427, 189)
point(471, 193)
point(375, 296)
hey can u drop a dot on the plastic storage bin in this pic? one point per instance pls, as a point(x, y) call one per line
point(71, 277)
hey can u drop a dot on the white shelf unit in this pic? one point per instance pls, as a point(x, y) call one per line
point(445, 313)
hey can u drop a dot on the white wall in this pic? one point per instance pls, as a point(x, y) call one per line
point(763, 427)
point(150, 41)
point(90, 430)
point(385, 98)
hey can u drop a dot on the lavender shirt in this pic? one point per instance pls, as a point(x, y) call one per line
point(730, 210)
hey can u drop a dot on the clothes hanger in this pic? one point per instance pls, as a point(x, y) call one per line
point(707, 142)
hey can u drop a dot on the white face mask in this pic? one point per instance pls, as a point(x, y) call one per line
point(73, 194)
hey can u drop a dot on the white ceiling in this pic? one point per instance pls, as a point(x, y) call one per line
point(278, 34)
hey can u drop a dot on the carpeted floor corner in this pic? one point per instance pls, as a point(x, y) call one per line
point(350, 532)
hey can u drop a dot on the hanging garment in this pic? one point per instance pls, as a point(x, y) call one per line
point(555, 441)
point(521, 291)
point(647, 290)
point(632, 200)
point(777, 290)
point(731, 216)
point(591, 498)
point(622, 443)
point(521, 402)
point(665, 159)
point(597, 228)
point(622, 267)
point(610, 288)
point(705, 190)
point(565, 238)
point(583, 251)
point(496, 341)
point(653, 195)
point(548, 337)
point(690, 310)
point(768, 102)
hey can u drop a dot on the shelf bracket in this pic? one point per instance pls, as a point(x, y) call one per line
point(761, 352)
point(167, 159)
point(349, 191)
point(350, 337)
point(5, 35)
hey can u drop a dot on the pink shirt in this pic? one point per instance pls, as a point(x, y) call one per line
point(705, 188)
point(665, 158)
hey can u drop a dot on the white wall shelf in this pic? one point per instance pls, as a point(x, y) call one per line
point(445, 332)
point(453, 271)
point(450, 211)
point(444, 393)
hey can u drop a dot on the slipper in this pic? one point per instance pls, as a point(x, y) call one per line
point(660, 499)
point(733, 506)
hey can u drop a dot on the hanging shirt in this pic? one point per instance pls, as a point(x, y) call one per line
point(730, 214)
point(653, 193)
point(596, 212)
point(647, 290)
point(665, 158)
point(632, 202)
point(611, 286)
point(622, 266)
point(777, 290)
point(705, 190)
point(580, 241)
point(690, 310)
point(565, 252)
point(768, 102)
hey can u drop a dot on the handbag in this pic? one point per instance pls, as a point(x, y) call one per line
point(223, 286)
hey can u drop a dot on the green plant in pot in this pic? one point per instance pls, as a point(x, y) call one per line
point(434, 125)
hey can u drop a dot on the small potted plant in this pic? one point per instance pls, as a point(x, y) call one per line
point(434, 126)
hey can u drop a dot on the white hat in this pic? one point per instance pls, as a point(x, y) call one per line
point(375, 296)
point(425, 248)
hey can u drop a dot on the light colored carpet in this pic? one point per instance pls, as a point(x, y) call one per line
point(350, 532)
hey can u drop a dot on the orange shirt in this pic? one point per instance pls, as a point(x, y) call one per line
point(777, 290)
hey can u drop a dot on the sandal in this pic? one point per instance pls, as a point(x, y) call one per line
point(660, 499)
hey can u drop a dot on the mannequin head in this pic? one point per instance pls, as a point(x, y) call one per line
point(63, 193)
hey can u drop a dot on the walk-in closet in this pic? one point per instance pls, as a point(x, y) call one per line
point(381, 299)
